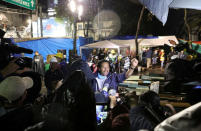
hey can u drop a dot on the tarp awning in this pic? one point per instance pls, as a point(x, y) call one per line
point(197, 42)
point(190, 4)
point(159, 41)
point(48, 46)
point(195, 45)
point(104, 44)
point(160, 8)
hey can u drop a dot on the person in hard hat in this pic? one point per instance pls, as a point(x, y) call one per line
point(101, 54)
point(112, 58)
point(189, 57)
point(162, 58)
point(62, 63)
point(106, 51)
point(53, 75)
point(119, 58)
point(59, 56)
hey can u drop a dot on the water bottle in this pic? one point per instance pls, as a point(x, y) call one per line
point(112, 92)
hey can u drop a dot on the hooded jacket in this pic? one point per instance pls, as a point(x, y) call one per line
point(113, 79)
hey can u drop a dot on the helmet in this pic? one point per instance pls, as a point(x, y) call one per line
point(59, 55)
point(53, 60)
point(113, 51)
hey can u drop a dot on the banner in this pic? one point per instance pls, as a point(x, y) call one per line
point(29, 4)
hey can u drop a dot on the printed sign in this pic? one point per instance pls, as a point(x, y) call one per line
point(29, 4)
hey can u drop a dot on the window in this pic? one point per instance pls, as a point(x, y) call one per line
point(79, 27)
point(90, 26)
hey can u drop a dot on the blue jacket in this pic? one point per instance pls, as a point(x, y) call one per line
point(149, 53)
point(113, 80)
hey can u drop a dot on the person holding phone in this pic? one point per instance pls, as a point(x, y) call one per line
point(105, 83)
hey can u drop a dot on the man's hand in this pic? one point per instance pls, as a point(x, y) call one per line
point(25, 69)
point(134, 63)
point(113, 101)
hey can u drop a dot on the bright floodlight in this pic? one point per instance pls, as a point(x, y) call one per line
point(80, 10)
point(72, 6)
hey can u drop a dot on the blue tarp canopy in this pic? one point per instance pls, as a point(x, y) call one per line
point(48, 46)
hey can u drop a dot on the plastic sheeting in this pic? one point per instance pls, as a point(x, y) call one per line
point(155, 41)
point(196, 45)
point(104, 44)
point(191, 4)
point(49, 46)
point(85, 52)
point(160, 8)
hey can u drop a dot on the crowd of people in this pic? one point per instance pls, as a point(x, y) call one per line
point(119, 61)
point(78, 91)
point(156, 56)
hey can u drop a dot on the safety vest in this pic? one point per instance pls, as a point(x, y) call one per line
point(162, 58)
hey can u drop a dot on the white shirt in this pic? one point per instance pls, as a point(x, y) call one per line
point(100, 83)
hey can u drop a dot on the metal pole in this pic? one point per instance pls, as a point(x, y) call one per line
point(98, 25)
point(31, 25)
point(75, 35)
point(41, 21)
point(37, 19)
point(138, 28)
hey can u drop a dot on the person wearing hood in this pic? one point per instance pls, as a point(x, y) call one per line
point(38, 63)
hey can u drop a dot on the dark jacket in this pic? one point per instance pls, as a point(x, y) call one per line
point(139, 119)
point(65, 68)
point(83, 66)
point(51, 76)
point(149, 53)
point(18, 119)
point(113, 79)
point(38, 64)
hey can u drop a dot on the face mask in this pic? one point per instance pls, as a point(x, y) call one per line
point(101, 76)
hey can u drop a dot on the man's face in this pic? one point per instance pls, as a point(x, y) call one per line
point(59, 59)
point(36, 53)
point(54, 65)
point(105, 69)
